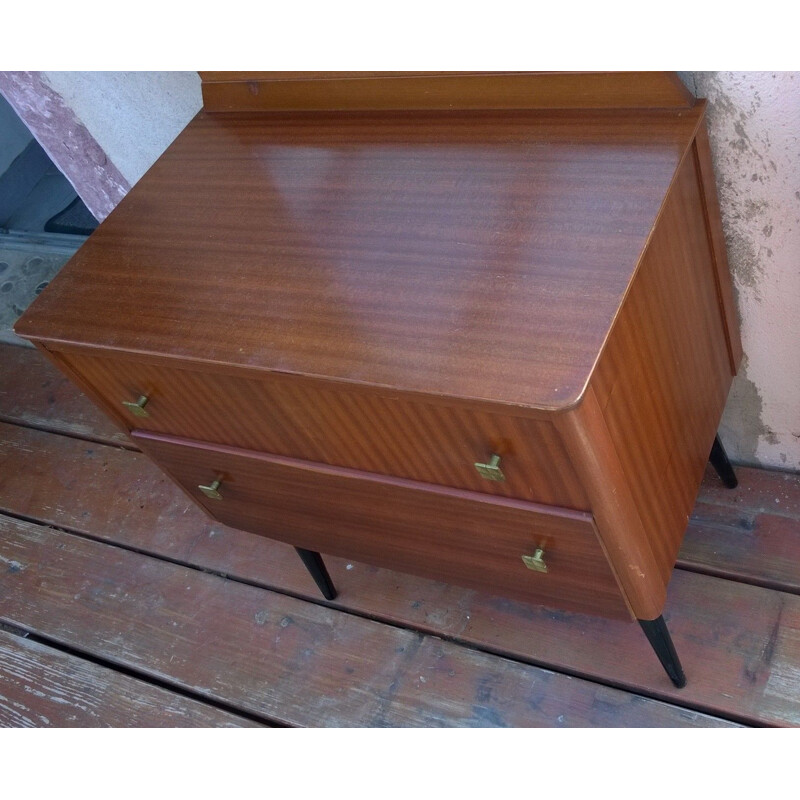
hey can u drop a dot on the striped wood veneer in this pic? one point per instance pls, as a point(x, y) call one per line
point(404, 293)
point(654, 400)
point(467, 538)
point(358, 428)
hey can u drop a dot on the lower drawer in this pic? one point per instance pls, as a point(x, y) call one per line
point(452, 535)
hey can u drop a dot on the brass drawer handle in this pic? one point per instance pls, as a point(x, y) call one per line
point(211, 491)
point(137, 408)
point(492, 470)
point(536, 561)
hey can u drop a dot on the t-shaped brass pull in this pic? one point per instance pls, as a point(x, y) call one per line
point(211, 490)
point(137, 408)
point(536, 561)
point(491, 470)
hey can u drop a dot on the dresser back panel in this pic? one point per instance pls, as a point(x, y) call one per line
point(431, 442)
point(273, 91)
point(450, 535)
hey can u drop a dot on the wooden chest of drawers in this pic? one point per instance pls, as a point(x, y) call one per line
point(473, 327)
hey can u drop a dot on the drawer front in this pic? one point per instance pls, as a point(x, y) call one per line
point(343, 426)
point(451, 535)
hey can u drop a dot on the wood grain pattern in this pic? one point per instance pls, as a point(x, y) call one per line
point(595, 457)
point(223, 76)
point(512, 697)
point(751, 533)
point(114, 491)
point(664, 375)
point(461, 537)
point(424, 441)
point(35, 394)
point(126, 493)
point(317, 91)
point(479, 255)
point(41, 687)
point(759, 491)
point(738, 644)
point(728, 627)
point(267, 654)
point(309, 284)
point(766, 551)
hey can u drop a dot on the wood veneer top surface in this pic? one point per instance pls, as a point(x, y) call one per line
point(479, 255)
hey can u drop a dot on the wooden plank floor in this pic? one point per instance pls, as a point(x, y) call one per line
point(123, 605)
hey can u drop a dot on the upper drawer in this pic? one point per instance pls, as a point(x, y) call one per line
point(345, 426)
point(451, 535)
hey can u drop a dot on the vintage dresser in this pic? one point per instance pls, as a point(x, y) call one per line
point(476, 327)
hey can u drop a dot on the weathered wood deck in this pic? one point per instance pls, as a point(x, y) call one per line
point(122, 605)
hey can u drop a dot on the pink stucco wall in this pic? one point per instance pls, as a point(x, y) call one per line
point(754, 126)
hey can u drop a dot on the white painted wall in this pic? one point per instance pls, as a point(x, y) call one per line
point(133, 116)
point(754, 127)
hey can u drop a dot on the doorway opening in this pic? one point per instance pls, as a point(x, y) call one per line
point(43, 221)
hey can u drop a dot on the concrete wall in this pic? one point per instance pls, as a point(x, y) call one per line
point(125, 120)
point(133, 116)
point(103, 129)
point(754, 127)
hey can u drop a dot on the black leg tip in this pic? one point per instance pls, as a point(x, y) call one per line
point(721, 463)
point(678, 680)
point(660, 640)
point(316, 567)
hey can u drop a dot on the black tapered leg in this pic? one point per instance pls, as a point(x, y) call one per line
point(657, 634)
point(719, 460)
point(316, 567)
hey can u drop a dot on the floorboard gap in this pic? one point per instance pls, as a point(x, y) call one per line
point(498, 652)
point(145, 677)
point(82, 437)
point(700, 569)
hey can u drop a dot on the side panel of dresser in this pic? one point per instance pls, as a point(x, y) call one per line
point(641, 437)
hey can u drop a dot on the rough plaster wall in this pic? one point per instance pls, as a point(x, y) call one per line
point(754, 125)
point(133, 116)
